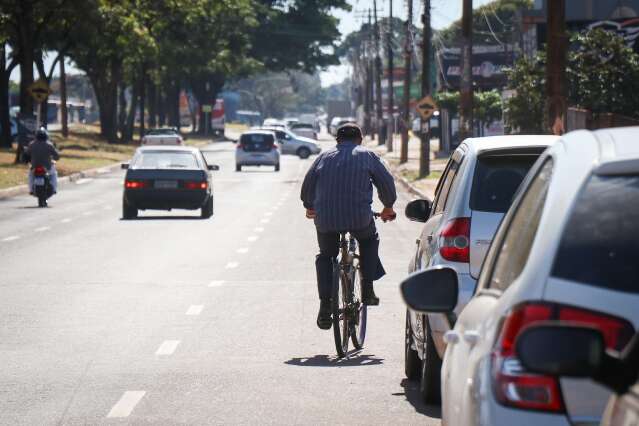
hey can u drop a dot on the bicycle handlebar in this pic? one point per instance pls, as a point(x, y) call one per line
point(378, 215)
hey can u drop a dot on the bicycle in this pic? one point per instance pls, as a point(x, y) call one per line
point(348, 312)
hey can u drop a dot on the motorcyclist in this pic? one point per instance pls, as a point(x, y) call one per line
point(43, 153)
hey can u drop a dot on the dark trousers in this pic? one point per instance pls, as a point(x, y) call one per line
point(369, 262)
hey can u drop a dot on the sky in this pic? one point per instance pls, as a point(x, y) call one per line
point(443, 13)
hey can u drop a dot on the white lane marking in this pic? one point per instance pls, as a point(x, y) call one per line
point(232, 265)
point(217, 283)
point(83, 181)
point(259, 229)
point(67, 220)
point(42, 228)
point(265, 220)
point(167, 347)
point(11, 238)
point(252, 238)
point(89, 213)
point(268, 214)
point(126, 404)
point(242, 250)
point(108, 207)
point(194, 310)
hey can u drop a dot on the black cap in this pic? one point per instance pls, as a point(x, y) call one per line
point(349, 131)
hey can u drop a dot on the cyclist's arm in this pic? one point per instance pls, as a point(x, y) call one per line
point(307, 193)
point(383, 181)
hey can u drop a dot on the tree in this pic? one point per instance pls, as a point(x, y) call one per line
point(524, 111)
point(487, 105)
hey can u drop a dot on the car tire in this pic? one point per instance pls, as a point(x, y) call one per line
point(277, 167)
point(207, 209)
point(238, 168)
point(303, 153)
point(412, 363)
point(128, 211)
point(431, 367)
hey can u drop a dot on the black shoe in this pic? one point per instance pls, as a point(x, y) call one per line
point(368, 294)
point(324, 320)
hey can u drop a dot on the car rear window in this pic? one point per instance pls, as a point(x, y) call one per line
point(600, 242)
point(257, 139)
point(165, 160)
point(496, 180)
point(302, 126)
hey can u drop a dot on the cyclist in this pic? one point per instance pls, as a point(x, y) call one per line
point(337, 193)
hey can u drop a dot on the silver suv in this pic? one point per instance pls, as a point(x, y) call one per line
point(474, 192)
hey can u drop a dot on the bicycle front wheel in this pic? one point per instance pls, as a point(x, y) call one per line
point(340, 312)
point(358, 322)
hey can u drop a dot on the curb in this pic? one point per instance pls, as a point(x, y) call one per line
point(62, 181)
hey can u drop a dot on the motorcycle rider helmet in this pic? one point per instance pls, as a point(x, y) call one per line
point(42, 134)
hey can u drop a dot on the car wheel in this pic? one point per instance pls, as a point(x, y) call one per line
point(277, 167)
point(207, 209)
point(128, 211)
point(238, 168)
point(430, 380)
point(411, 357)
point(303, 153)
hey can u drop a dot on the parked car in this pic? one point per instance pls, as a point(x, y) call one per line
point(472, 195)
point(565, 250)
point(162, 136)
point(563, 349)
point(332, 126)
point(166, 178)
point(293, 144)
point(257, 148)
point(336, 122)
point(304, 129)
point(274, 122)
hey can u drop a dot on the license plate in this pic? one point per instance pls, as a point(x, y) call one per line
point(165, 184)
point(39, 181)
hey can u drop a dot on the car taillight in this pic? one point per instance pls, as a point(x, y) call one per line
point(515, 387)
point(135, 184)
point(39, 171)
point(273, 146)
point(195, 185)
point(454, 240)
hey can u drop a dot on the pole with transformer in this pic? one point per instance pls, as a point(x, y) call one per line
point(408, 52)
point(424, 145)
point(556, 67)
point(391, 107)
point(381, 134)
point(466, 85)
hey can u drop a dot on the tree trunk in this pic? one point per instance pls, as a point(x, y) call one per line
point(25, 50)
point(161, 99)
point(142, 84)
point(105, 89)
point(44, 105)
point(127, 134)
point(5, 121)
point(63, 99)
point(122, 108)
point(153, 110)
point(173, 103)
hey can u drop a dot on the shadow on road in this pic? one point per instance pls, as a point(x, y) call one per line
point(162, 218)
point(353, 359)
point(411, 392)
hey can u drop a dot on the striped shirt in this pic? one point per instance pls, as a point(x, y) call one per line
point(339, 187)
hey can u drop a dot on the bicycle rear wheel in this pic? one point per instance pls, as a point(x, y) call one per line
point(358, 321)
point(340, 312)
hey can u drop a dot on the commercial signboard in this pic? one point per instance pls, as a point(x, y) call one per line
point(489, 64)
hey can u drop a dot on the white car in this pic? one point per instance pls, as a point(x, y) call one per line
point(471, 198)
point(566, 250)
point(304, 129)
point(162, 136)
point(257, 148)
point(293, 144)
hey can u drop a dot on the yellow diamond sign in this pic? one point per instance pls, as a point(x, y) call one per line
point(426, 107)
point(39, 90)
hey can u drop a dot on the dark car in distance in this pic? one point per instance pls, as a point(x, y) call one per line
point(165, 178)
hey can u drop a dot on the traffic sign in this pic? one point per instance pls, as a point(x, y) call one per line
point(207, 108)
point(39, 90)
point(426, 107)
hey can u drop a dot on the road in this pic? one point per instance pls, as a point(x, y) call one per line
point(171, 319)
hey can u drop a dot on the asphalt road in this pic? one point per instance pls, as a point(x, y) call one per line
point(171, 319)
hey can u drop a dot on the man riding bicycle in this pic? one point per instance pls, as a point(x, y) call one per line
point(337, 193)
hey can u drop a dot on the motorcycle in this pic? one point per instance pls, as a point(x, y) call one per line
point(42, 188)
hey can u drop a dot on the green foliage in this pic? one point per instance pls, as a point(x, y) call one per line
point(524, 112)
point(487, 106)
point(603, 74)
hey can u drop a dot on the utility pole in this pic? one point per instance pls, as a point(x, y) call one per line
point(424, 145)
point(408, 52)
point(556, 66)
point(381, 135)
point(367, 82)
point(391, 107)
point(466, 84)
point(64, 117)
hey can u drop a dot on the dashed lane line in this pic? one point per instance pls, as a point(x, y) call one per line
point(42, 229)
point(66, 220)
point(265, 220)
point(242, 250)
point(89, 213)
point(83, 181)
point(216, 283)
point(259, 229)
point(167, 347)
point(268, 214)
point(194, 310)
point(126, 404)
point(232, 265)
point(11, 238)
point(252, 238)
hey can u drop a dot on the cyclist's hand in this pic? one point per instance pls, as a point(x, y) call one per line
point(310, 214)
point(388, 214)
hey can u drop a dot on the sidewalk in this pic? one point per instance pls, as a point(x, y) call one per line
point(407, 173)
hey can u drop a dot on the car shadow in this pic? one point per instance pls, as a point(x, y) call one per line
point(163, 218)
point(352, 359)
point(412, 395)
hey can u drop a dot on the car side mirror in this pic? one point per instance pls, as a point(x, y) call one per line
point(124, 166)
point(213, 167)
point(434, 290)
point(418, 210)
point(561, 350)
